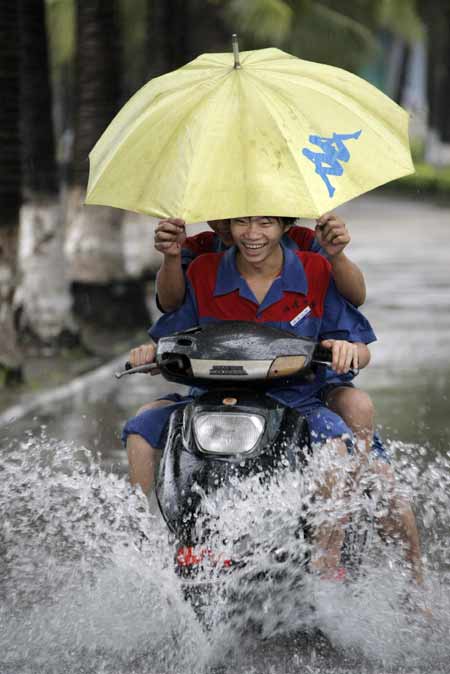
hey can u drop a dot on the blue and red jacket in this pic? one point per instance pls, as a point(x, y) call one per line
point(303, 300)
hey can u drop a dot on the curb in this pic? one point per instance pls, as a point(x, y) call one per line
point(60, 393)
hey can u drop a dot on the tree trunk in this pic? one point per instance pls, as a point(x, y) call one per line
point(43, 298)
point(158, 62)
point(94, 241)
point(39, 171)
point(207, 29)
point(436, 17)
point(181, 30)
point(94, 234)
point(94, 238)
point(402, 74)
point(10, 354)
point(176, 32)
point(10, 184)
point(446, 93)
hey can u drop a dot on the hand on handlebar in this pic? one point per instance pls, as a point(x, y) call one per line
point(344, 355)
point(142, 355)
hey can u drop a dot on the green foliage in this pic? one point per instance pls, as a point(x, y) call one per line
point(265, 19)
point(133, 27)
point(326, 35)
point(401, 18)
point(426, 180)
point(61, 19)
point(341, 33)
point(344, 24)
point(61, 30)
point(314, 30)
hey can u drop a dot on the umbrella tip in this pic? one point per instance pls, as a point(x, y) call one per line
point(235, 43)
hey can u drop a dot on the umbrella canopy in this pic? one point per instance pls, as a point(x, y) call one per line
point(273, 135)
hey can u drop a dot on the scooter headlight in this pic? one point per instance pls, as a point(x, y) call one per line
point(218, 433)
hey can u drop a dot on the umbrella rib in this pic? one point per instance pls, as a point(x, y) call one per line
point(404, 168)
point(174, 130)
point(137, 121)
point(276, 122)
point(211, 91)
point(347, 100)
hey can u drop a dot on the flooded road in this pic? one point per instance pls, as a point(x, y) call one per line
point(86, 581)
point(403, 248)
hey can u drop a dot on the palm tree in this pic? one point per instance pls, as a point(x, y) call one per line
point(340, 33)
point(10, 185)
point(105, 295)
point(436, 18)
point(44, 294)
point(180, 30)
point(93, 243)
point(207, 28)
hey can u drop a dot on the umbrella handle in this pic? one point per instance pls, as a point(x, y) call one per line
point(234, 42)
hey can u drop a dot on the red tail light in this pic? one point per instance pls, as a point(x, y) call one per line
point(188, 556)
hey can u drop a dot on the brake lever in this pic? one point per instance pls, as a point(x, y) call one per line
point(147, 368)
point(354, 372)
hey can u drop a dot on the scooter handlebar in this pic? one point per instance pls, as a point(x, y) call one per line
point(324, 356)
point(147, 368)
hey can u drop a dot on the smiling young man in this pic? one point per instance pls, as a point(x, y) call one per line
point(261, 279)
point(329, 239)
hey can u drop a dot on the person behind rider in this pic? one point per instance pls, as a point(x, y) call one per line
point(262, 279)
point(330, 238)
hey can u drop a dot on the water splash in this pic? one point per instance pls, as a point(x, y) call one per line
point(87, 582)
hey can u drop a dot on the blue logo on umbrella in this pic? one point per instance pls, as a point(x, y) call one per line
point(333, 152)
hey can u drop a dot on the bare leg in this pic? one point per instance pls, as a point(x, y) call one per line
point(399, 523)
point(329, 535)
point(403, 524)
point(356, 408)
point(143, 459)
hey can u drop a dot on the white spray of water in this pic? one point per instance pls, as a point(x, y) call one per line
point(87, 582)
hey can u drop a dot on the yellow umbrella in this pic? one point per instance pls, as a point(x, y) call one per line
point(269, 134)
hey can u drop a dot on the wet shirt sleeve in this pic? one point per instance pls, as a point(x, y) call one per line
point(315, 247)
point(175, 321)
point(305, 239)
point(187, 255)
point(341, 320)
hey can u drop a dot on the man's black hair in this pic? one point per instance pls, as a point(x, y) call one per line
point(288, 221)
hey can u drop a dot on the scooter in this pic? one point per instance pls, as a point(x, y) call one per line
point(230, 431)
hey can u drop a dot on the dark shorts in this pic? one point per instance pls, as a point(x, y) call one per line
point(377, 444)
point(151, 424)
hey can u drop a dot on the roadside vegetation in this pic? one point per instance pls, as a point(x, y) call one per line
point(427, 180)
